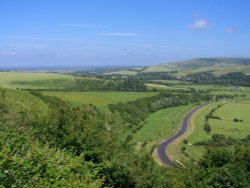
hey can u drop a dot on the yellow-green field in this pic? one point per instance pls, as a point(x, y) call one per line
point(14, 79)
point(157, 86)
point(100, 99)
point(122, 72)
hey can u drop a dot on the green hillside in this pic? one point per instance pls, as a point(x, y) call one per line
point(217, 65)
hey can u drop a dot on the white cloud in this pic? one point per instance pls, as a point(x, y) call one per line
point(230, 30)
point(118, 34)
point(199, 24)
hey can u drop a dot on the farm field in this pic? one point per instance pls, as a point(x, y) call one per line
point(160, 124)
point(100, 99)
point(188, 86)
point(30, 80)
point(170, 81)
point(157, 86)
point(122, 72)
point(226, 125)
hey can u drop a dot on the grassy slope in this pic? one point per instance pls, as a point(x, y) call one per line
point(18, 101)
point(100, 99)
point(218, 65)
point(160, 124)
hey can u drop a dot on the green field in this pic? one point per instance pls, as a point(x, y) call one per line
point(157, 86)
point(34, 80)
point(218, 66)
point(100, 99)
point(152, 86)
point(122, 72)
point(225, 125)
point(160, 124)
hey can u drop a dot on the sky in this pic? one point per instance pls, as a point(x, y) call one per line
point(121, 32)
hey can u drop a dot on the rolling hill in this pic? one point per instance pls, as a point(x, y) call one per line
point(217, 65)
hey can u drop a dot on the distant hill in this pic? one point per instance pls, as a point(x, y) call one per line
point(217, 65)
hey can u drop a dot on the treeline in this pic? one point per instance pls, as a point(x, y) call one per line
point(220, 140)
point(87, 84)
point(118, 84)
point(207, 127)
point(233, 79)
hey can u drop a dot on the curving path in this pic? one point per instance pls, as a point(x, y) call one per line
point(161, 151)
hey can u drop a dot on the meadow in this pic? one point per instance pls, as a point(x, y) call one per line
point(225, 125)
point(161, 124)
point(99, 99)
point(31, 80)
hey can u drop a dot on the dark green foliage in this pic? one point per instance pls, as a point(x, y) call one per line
point(207, 128)
point(237, 120)
point(234, 78)
point(156, 76)
point(220, 140)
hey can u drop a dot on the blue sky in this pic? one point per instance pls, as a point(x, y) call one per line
point(120, 32)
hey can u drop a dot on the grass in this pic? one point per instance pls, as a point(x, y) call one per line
point(160, 124)
point(234, 110)
point(224, 126)
point(33, 80)
point(23, 101)
point(157, 86)
point(187, 86)
point(100, 99)
point(170, 81)
point(122, 72)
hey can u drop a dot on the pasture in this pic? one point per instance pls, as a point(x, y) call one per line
point(122, 72)
point(160, 124)
point(31, 80)
point(225, 125)
point(100, 99)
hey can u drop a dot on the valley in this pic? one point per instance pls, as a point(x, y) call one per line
point(135, 117)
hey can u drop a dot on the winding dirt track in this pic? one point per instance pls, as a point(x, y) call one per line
point(161, 151)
